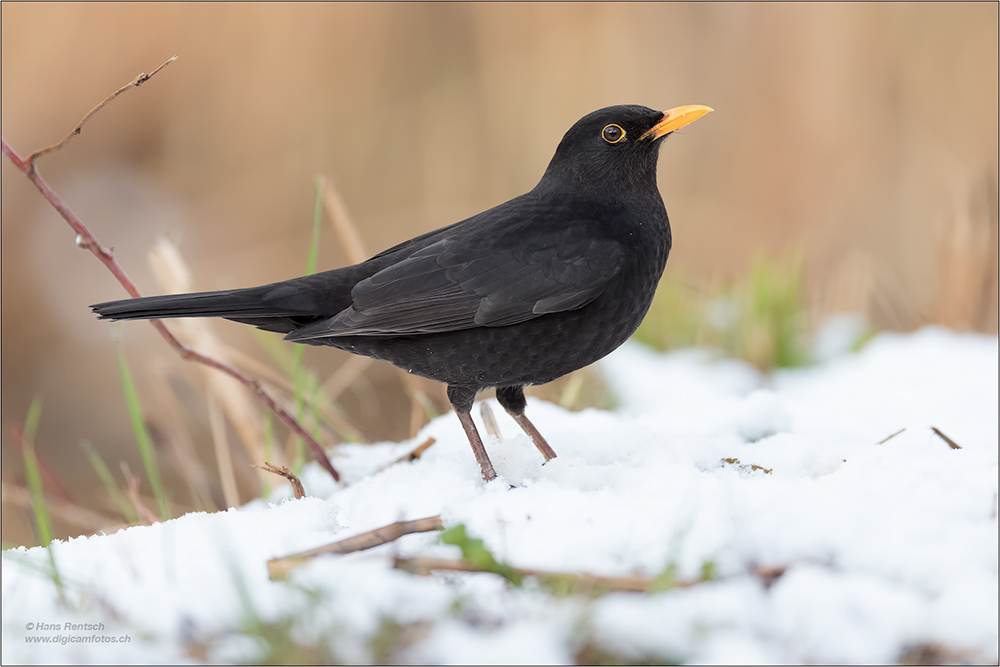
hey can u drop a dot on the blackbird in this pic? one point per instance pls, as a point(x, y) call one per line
point(520, 294)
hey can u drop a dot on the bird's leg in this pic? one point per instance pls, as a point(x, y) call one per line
point(512, 400)
point(462, 399)
point(477, 445)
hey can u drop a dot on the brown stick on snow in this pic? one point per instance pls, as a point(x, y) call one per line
point(580, 582)
point(576, 582)
point(278, 568)
point(890, 437)
point(951, 443)
point(412, 455)
point(86, 240)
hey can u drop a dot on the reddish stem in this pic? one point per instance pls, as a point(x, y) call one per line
point(85, 239)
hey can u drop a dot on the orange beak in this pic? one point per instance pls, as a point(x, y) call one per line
point(675, 119)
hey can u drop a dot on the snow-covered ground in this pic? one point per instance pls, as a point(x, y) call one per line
point(884, 547)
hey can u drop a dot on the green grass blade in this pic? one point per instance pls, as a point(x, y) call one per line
point(298, 375)
point(142, 438)
point(317, 224)
point(42, 520)
point(97, 463)
point(474, 551)
point(34, 475)
point(276, 348)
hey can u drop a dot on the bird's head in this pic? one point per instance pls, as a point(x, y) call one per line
point(614, 150)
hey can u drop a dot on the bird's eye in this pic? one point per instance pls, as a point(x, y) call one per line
point(613, 133)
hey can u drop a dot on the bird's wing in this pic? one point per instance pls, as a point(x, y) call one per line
point(460, 282)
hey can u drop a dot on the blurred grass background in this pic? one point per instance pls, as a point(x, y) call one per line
point(850, 166)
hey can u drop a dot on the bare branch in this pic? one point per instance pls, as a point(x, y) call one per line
point(409, 456)
point(280, 567)
point(134, 83)
point(84, 239)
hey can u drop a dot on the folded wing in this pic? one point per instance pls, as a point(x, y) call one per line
point(461, 283)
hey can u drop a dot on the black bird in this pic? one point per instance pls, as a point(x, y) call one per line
point(520, 294)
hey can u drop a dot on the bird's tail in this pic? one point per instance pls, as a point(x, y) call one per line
point(280, 307)
point(202, 304)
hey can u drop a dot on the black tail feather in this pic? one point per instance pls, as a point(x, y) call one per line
point(282, 307)
point(202, 304)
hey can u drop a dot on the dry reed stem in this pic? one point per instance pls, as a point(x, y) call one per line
point(486, 412)
point(849, 289)
point(967, 261)
point(85, 239)
point(420, 402)
point(284, 385)
point(951, 443)
point(282, 471)
point(345, 375)
point(343, 224)
point(63, 510)
point(178, 438)
point(354, 246)
point(571, 392)
point(175, 277)
point(134, 83)
point(890, 437)
point(222, 457)
point(278, 568)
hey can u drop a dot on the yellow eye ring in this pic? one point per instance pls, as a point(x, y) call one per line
point(612, 133)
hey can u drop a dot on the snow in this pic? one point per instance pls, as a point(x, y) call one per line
point(884, 546)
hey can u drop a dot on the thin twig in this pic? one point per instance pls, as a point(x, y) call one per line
point(134, 83)
point(85, 239)
point(890, 437)
point(280, 567)
point(282, 471)
point(408, 456)
point(951, 443)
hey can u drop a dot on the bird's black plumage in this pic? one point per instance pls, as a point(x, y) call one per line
point(520, 294)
